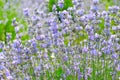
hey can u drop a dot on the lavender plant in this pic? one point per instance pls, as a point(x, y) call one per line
point(67, 45)
point(7, 14)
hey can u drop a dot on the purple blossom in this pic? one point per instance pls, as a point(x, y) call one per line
point(95, 1)
point(26, 12)
point(89, 71)
point(1, 45)
point(118, 67)
point(79, 28)
point(1, 67)
point(16, 44)
point(43, 45)
point(115, 56)
point(85, 50)
point(94, 8)
point(93, 52)
point(68, 72)
point(40, 37)
point(34, 44)
point(61, 4)
point(80, 12)
point(65, 58)
point(79, 74)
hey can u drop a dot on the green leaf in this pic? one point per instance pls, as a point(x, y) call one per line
point(58, 73)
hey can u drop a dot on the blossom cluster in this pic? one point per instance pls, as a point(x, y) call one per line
point(72, 44)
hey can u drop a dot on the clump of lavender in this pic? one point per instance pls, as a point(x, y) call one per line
point(69, 44)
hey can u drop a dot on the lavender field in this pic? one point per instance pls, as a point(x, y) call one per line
point(59, 39)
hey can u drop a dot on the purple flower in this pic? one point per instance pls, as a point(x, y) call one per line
point(92, 37)
point(90, 16)
point(107, 32)
point(107, 19)
point(79, 28)
point(114, 56)
point(49, 43)
point(19, 50)
point(60, 4)
point(88, 28)
point(107, 24)
point(45, 55)
point(107, 51)
point(1, 67)
point(118, 27)
point(79, 74)
point(14, 22)
point(34, 44)
point(85, 50)
point(54, 31)
point(38, 68)
point(118, 68)
point(89, 70)
point(43, 45)
point(104, 13)
point(15, 62)
point(97, 37)
point(68, 72)
point(16, 44)
point(95, 1)
point(93, 52)
point(55, 51)
point(34, 50)
point(74, 2)
point(26, 12)
point(1, 45)
point(40, 37)
point(65, 58)
point(94, 8)
point(8, 76)
point(80, 12)
point(26, 50)
point(54, 8)
point(8, 36)
point(113, 9)
point(83, 18)
point(118, 48)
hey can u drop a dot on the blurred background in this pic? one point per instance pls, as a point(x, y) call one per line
point(10, 9)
